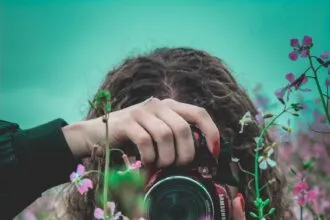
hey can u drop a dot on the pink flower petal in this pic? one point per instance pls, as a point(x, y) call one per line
point(325, 55)
point(137, 164)
point(98, 213)
point(84, 186)
point(294, 42)
point(88, 183)
point(73, 176)
point(302, 200)
point(80, 169)
point(304, 53)
point(290, 77)
point(293, 55)
point(312, 195)
point(299, 188)
point(307, 41)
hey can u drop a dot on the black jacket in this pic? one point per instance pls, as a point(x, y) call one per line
point(31, 161)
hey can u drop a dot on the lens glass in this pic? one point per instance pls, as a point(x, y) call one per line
point(178, 198)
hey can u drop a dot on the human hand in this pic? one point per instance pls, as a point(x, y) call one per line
point(164, 122)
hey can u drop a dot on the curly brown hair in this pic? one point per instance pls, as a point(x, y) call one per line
point(195, 77)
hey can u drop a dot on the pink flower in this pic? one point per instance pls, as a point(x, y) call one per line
point(303, 195)
point(325, 55)
point(299, 188)
point(294, 42)
point(297, 82)
point(99, 213)
point(307, 41)
point(302, 50)
point(293, 55)
point(136, 165)
point(83, 185)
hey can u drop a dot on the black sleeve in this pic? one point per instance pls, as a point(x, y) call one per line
point(31, 161)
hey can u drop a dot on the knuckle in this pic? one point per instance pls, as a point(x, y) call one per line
point(201, 112)
point(185, 159)
point(168, 101)
point(183, 129)
point(165, 161)
point(153, 101)
point(136, 112)
point(164, 133)
point(143, 139)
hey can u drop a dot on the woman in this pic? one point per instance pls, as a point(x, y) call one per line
point(179, 79)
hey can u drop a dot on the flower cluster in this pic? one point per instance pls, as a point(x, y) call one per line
point(302, 48)
point(302, 194)
point(82, 184)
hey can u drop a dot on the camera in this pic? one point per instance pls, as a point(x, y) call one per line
point(198, 191)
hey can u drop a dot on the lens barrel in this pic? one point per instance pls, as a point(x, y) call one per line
point(178, 198)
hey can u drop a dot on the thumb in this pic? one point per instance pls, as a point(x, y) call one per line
point(239, 207)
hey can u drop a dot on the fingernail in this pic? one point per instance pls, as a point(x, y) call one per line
point(241, 200)
point(216, 149)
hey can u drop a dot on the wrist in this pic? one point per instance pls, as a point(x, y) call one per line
point(77, 137)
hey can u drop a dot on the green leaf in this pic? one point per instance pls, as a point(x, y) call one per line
point(253, 215)
point(266, 202)
point(271, 211)
point(91, 104)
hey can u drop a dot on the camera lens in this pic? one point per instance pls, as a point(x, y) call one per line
point(178, 198)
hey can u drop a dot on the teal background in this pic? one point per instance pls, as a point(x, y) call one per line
point(54, 54)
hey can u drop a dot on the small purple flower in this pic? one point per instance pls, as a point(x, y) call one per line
point(294, 82)
point(83, 185)
point(307, 41)
point(294, 42)
point(325, 55)
point(302, 50)
point(293, 55)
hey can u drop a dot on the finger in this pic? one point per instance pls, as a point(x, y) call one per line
point(142, 139)
point(200, 117)
point(184, 143)
point(161, 133)
point(238, 207)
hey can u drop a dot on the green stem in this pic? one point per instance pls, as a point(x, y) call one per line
point(92, 171)
point(301, 212)
point(106, 170)
point(319, 87)
point(256, 167)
